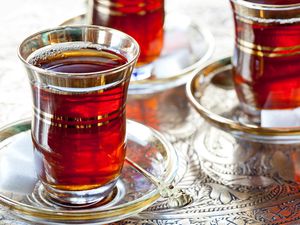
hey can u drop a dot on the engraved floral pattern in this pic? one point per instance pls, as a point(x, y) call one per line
point(231, 183)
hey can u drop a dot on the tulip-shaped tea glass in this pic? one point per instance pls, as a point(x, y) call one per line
point(79, 77)
point(267, 54)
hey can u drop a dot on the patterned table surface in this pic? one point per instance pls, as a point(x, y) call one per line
point(230, 183)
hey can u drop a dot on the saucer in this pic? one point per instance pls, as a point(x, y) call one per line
point(187, 45)
point(211, 92)
point(132, 194)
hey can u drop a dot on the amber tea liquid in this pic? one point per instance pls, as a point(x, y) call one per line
point(141, 19)
point(79, 134)
point(266, 61)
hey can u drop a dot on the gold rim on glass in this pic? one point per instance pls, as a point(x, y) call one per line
point(84, 29)
point(266, 13)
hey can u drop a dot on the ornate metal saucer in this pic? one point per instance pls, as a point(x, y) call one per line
point(133, 192)
point(187, 46)
point(211, 92)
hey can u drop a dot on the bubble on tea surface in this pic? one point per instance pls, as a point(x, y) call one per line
point(50, 51)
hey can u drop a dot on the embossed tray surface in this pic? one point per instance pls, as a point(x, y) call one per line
point(231, 182)
point(229, 185)
point(212, 170)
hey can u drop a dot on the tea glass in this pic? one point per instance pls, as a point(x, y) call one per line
point(141, 19)
point(79, 123)
point(266, 56)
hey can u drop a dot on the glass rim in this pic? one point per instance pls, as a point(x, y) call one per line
point(250, 12)
point(79, 75)
point(260, 6)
